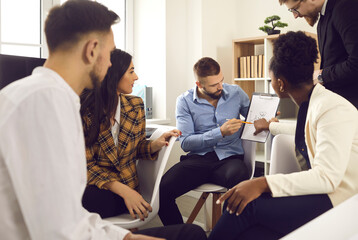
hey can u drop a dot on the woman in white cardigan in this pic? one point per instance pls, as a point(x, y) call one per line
point(326, 135)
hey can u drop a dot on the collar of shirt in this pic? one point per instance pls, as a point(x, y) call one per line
point(118, 110)
point(60, 81)
point(224, 95)
point(115, 127)
point(323, 10)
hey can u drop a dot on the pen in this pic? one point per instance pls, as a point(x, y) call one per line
point(244, 122)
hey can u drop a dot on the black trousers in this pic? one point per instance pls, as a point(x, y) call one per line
point(193, 171)
point(270, 218)
point(109, 204)
point(104, 202)
point(176, 232)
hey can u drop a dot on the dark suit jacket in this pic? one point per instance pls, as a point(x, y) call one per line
point(338, 44)
point(105, 161)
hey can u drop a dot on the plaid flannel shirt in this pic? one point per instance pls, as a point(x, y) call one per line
point(105, 161)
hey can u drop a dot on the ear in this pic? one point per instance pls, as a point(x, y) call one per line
point(91, 51)
point(198, 84)
point(283, 87)
point(281, 84)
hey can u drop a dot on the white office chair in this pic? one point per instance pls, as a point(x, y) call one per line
point(283, 156)
point(216, 190)
point(149, 174)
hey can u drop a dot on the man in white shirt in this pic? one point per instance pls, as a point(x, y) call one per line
point(42, 152)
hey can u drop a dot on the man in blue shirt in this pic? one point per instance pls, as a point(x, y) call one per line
point(208, 116)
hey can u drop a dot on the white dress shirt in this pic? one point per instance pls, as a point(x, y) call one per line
point(115, 127)
point(43, 165)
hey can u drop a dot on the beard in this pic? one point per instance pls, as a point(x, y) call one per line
point(312, 19)
point(96, 74)
point(214, 95)
point(95, 79)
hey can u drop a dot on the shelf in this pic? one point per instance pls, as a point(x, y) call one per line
point(255, 40)
point(257, 46)
point(260, 156)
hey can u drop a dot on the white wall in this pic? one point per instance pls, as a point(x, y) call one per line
point(166, 41)
point(149, 56)
point(219, 28)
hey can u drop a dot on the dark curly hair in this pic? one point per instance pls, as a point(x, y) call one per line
point(294, 55)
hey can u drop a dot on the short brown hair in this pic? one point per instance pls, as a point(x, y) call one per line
point(205, 67)
point(65, 24)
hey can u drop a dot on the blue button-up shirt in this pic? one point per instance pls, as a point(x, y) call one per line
point(200, 122)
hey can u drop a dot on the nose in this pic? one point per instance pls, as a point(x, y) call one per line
point(295, 15)
point(135, 77)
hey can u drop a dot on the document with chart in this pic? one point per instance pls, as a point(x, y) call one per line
point(262, 105)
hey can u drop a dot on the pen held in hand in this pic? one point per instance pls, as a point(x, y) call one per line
point(244, 122)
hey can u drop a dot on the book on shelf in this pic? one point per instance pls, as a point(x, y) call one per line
point(263, 65)
point(248, 68)
point(241, 67)
point(244, 67)
point(252, 67)
point(255, 67)
point(260, 69)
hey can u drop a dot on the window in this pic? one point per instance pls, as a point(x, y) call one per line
point(21, 25)
point(20, 29)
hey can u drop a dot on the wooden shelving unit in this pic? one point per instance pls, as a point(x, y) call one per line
point(258, 46)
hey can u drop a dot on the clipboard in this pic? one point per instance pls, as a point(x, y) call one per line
point(262, 105)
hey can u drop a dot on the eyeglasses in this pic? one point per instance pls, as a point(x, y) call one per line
point(294, 10)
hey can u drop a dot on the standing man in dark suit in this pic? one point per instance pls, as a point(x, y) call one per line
point(337, 39)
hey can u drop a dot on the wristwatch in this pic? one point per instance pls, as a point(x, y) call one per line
point(320, 79)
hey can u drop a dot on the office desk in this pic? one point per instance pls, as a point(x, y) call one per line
point(338, 223)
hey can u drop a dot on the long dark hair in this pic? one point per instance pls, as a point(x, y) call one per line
point(101, 103)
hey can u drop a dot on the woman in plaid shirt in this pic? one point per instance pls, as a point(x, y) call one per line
point(114, 128)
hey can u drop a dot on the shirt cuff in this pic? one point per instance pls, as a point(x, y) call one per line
point(148, 155)
point(276, 185)
point(100, 184)
point(282, 128)
point(94, 227)
point(216, 133)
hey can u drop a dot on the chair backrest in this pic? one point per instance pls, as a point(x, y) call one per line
point(283, 156)
point(150, 174)
point(13, 68)
point(250, 155)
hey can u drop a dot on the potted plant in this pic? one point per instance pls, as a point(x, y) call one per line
point(274, 20)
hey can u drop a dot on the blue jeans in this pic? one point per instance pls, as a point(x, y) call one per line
point(270, 218)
